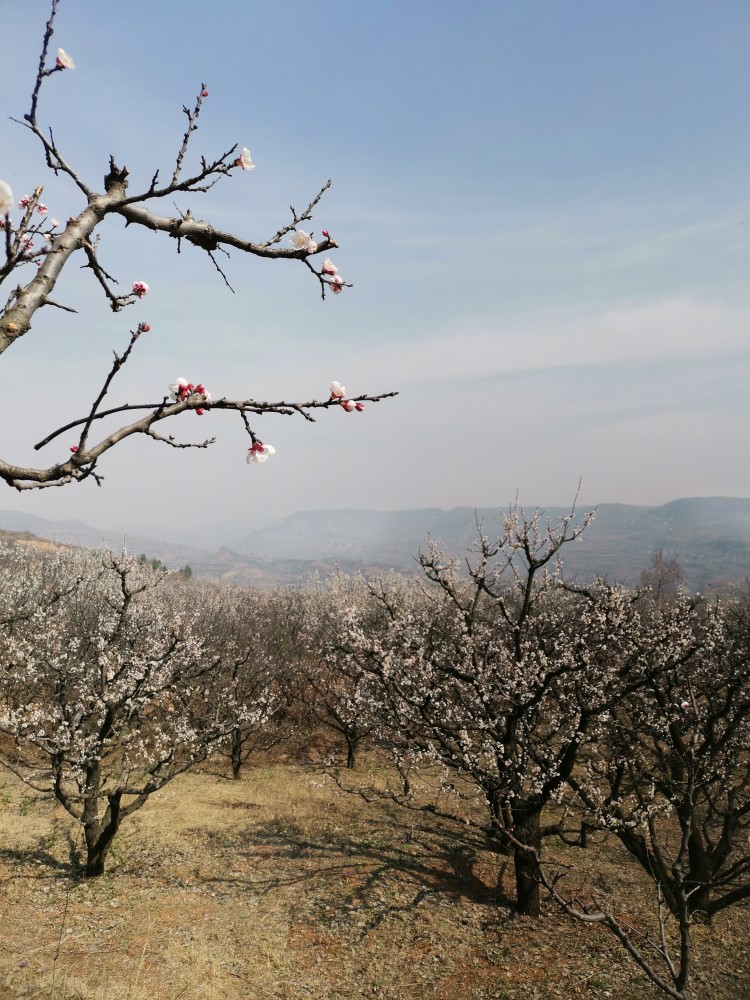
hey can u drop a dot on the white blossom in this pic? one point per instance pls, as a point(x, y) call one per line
point(6, 198)
point(245, 160)
point(64, 61)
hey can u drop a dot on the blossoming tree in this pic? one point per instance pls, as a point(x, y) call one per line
point(479, 678)
point(37, 249)
point(112, 685)
point(569, 709)
point(669, 776)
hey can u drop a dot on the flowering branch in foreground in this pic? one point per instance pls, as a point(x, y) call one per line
point(44, 247)
point(183, 395)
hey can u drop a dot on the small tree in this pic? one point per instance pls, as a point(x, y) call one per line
point(664, 577)
point(111, 691)
point(38, 249)
point(334, 688)
point(668, 774)
point(671, 775)
point(239, 625)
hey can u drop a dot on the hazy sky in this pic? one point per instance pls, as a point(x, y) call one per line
point(544, 209)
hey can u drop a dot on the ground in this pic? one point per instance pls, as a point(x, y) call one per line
point(280, 886)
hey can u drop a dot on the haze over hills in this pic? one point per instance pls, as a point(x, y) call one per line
point(709, 536)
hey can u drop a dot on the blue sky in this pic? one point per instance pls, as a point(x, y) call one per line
point(543, 209)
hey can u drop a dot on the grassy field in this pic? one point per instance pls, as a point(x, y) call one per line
point(279, 886)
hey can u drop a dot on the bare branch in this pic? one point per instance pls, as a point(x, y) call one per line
point(177, 444)
point(42, 72)
point(304, 217)
point(191, 127)
point(216, 265)
point(116, 301)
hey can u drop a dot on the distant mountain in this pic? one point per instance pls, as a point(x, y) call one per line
point(709, 536)
point(223, 565)
point(74, 532)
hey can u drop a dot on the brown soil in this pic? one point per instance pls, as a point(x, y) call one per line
point(280, 886)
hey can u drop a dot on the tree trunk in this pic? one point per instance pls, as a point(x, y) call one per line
point(351, 751)
point(236, 753)
point(99, 836)
point(96, 855)
point(528, 831)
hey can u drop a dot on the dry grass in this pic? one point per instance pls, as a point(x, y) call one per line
point(279, 887)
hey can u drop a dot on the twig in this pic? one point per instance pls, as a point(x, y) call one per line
point(191, 127)
point(42, 72)
point(116, 301)
point(216, 265)
point(296, 219)
point(177, 444)
point(119, 361)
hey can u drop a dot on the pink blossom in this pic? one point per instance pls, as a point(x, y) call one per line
point(359, 407)
point(337, 284)
point(74, 448)
point(329, 267)
point(337, 390)
point(178, 389)
point(145, 327)
point(204, 93)
point(326, 234)
point(54, 223)
point(140, 288)
point(63, 60)
point(349, 405)
point(42, 209)
point(24, 202)
point(260, 453)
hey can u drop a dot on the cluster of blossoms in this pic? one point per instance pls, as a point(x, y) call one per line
point(182, 390)
point(301, 240)
point(338, 392)
point(330, 269)
point(26, 201)
point(28, 250)
point(140, 288)
point(260, 453)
